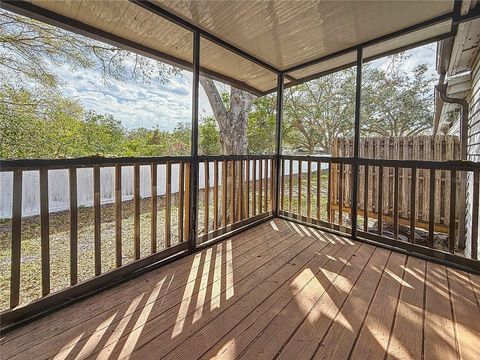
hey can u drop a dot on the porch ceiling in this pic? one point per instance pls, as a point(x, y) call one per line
point(282, 34)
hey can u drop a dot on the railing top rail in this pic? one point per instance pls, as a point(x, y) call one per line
point(423, 164)
point(234, 157)
point(35, 164)
point(459, 165)
point(333, 159)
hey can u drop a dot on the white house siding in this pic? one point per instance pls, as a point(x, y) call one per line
point(473, 143)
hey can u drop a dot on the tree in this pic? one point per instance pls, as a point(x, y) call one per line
point(231, 113)
point(209, 137)
point(103, 135)
point(318, 111)
point(261, 126)
point(395, 103)
point(30, 50)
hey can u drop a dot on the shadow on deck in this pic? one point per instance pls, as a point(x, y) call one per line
point(278, 290)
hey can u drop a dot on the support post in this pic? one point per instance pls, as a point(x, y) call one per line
point(278, 139)
point(194, 147)
point(356, 143)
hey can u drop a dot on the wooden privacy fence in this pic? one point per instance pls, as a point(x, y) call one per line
point(425, 147)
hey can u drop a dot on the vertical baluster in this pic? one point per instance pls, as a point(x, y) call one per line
point(453, 193)
point(340, 194)
point(254, 188)
point(240, 190)
point(273, 166)
point(329, 194)
point(168, 205)
point(232, 193)
point(265, 179)
point(380, 201)
point(97, 219)
point(395, 202)
point(299, 188)
point(476, 195)
point(153, 196)
point(247, 190)
point(206, 192)
point(309, 193)
point(431, 209)
point(215, 195)
point(260, 186)
point(186, 201)
point(412, 204)
point(282, 189)
point(319, 188)
point(365, 201)
point(136, 210)
point(290, 188)
point(16, 239)
point(224, 192)
point(45, 231)
point(72, 172)
point(181, 187)
point(118, 215)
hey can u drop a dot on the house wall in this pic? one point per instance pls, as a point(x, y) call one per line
point(473, 142)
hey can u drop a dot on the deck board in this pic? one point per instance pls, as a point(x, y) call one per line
point(276, 291)
point(340, 336)
point(373, 338)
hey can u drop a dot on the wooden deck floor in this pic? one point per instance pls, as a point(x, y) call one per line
point(279, 290)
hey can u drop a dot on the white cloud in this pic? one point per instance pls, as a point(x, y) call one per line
point(135, 104)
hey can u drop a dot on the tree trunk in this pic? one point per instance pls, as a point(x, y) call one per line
point(232, 123)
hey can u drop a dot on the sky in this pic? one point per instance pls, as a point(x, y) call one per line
point(148, 105)
point(155, 104)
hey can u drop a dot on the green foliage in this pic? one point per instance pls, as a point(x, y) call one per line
point(318, 111)
point(38, 126)
point(395, 103)
point(209, 137)
point(261, 126)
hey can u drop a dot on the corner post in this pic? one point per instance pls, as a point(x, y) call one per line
point(194, 147)
point(356, 142)
point(278, 138)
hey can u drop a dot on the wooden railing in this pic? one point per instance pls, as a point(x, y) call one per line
point(104, 271)
point(234, 192)
point(437, 148)
point(128, 233)
point(309, 196)
point(240, 190)
point(305, 193)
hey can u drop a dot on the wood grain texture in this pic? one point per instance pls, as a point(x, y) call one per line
point(278, 290)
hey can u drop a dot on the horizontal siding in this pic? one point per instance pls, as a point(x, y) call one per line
point(473, 149)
